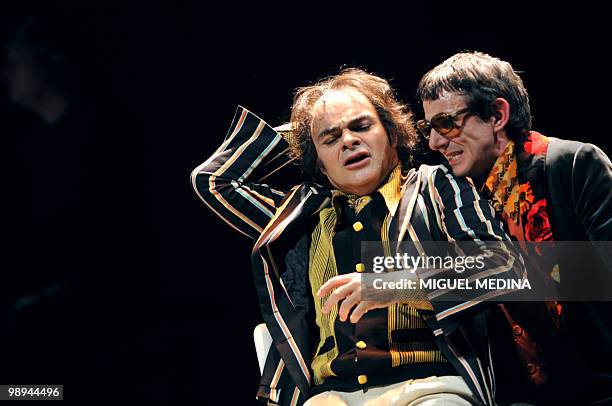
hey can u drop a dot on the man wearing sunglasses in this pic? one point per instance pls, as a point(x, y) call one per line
point(477, 115)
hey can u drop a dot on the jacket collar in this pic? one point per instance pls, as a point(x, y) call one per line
point(303, 201)
point(401, 217)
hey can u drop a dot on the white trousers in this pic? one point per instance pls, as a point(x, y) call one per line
point(431, 391)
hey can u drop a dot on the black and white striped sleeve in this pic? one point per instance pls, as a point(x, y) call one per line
point(224, 182)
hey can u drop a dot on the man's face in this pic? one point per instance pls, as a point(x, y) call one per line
point(352, 146)
point(476, 147)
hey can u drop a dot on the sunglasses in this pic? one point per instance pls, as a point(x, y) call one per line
point(443, 123)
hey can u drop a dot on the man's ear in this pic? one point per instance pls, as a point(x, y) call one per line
point(393, 139)
point(501, 114)
point(391, 136)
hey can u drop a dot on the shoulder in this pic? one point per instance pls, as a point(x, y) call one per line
point(442, 176)
point(446, 189)
point(570, 155)
point(433, 173)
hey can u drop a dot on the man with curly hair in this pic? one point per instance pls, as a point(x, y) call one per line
point(331, 345)
point(545, 189)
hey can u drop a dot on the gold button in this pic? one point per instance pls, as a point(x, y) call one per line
point(358, 226)
point(361, 345)
point(360, 267)
point(362, 379)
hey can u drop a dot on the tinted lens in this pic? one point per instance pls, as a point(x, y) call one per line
point(424, 128)
point(442, 123)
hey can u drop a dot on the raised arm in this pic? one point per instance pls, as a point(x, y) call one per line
point(229, 181)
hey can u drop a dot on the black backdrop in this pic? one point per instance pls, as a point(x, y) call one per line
point(164, 306)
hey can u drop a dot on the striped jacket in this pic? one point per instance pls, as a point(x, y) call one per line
point(435, 205)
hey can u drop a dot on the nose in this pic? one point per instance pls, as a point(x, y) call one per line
point(349, 139)
point(436, 141)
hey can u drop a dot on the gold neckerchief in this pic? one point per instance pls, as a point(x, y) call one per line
point(503, 190)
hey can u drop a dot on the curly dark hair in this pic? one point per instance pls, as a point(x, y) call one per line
point(396, 117)
point(482, 78)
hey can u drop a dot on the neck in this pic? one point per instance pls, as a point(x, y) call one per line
point(501, 142)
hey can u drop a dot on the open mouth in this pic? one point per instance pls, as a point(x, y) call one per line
point(453, 156)
point(356, 158)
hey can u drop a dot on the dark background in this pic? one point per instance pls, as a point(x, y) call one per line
point(156, 300)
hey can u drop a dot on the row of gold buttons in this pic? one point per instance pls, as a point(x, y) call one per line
point(360, 267)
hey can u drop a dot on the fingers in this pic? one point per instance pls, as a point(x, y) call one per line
point(338, 294)
point(333, 283)
point(347, 305)
point(361, 309)
point(346, 288)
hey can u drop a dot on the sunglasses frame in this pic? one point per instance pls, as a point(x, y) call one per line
point(425, 126)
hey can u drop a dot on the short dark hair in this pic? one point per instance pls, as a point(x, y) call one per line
point(482, 78)
point(396, 117)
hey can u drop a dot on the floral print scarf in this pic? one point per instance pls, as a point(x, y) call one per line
point(516, 188)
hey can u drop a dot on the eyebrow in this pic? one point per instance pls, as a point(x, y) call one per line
point(330, 130)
